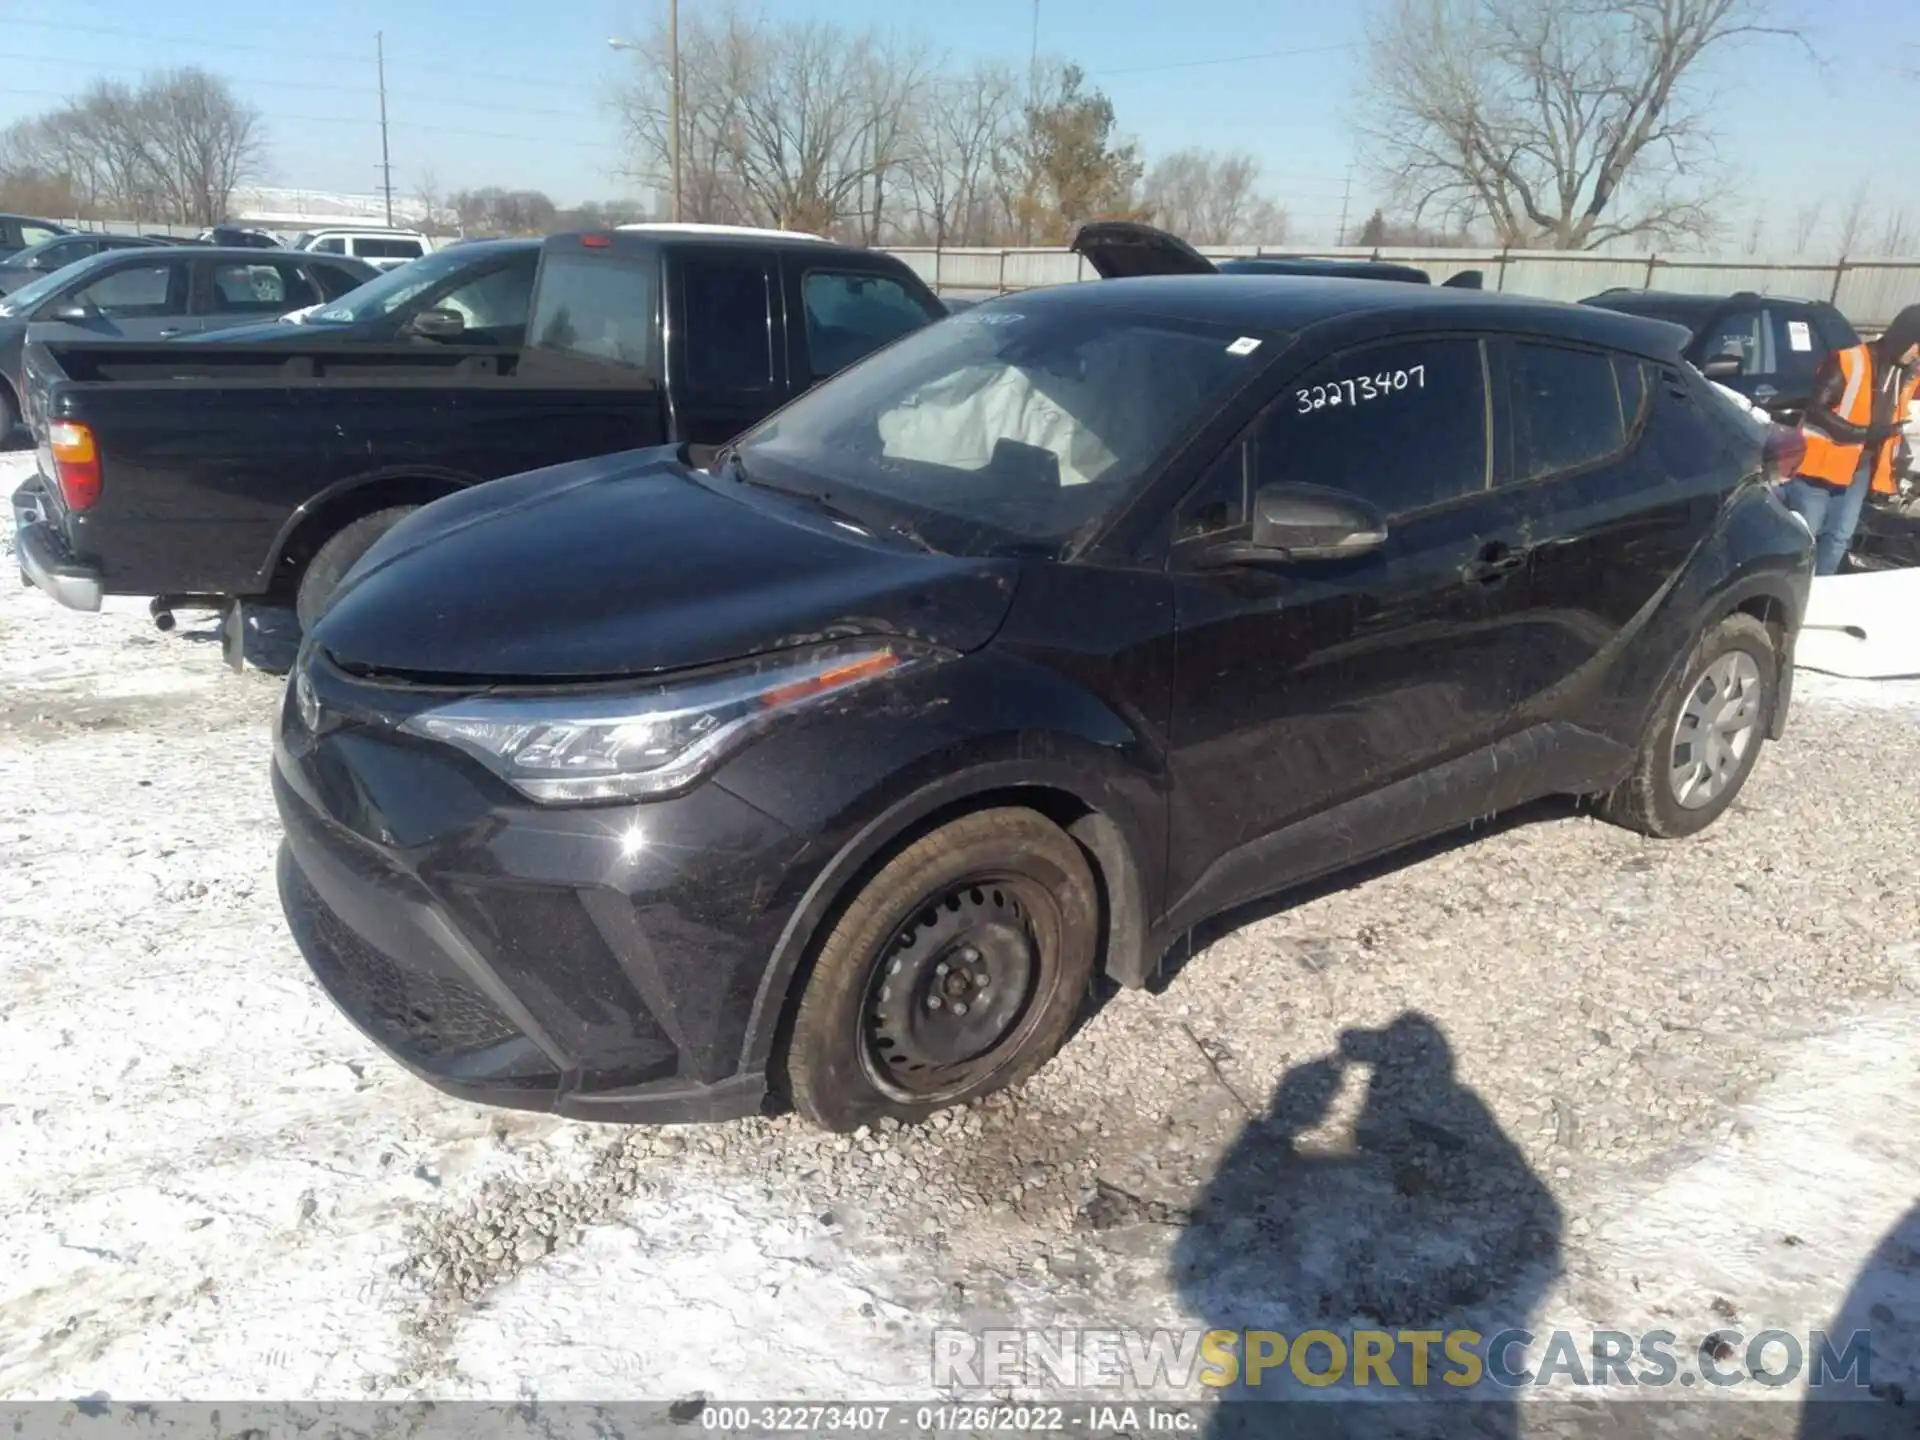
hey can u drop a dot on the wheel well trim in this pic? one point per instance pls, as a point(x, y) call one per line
point(392, 478)
point(1113, 856)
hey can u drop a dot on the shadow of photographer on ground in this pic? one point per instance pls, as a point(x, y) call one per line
point(1432, 1220)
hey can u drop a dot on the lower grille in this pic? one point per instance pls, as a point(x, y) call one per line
point(428, 1014)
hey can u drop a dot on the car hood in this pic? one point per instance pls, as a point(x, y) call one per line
point(628, 565)
point(1125, 249)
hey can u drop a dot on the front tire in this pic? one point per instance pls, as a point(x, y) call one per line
point(337, 556)
point(955, 972)
point(1705, 736)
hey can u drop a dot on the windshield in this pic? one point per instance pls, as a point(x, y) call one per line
point(24, 300)
point(1007, 426)
point(387, 293)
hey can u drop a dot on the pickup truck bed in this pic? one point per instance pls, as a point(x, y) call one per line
point(208, 473)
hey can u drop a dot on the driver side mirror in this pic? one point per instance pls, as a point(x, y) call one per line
point(1723, 367)
point(1295, 523)
point(71, 312)
point(438, 324)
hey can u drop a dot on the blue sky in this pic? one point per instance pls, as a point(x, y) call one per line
point(513, 93)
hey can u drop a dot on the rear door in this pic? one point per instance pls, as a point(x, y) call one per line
point(726, 362)
point(234, 292)
point(1619, 472)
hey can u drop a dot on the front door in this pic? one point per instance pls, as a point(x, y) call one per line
point(1304, 686)
point(136, 300)
point(727, 343)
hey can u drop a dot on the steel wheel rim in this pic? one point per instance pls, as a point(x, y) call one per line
point(1716, 730)
point(930, 1029)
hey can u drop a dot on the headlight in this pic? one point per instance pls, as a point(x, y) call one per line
point(637, 743)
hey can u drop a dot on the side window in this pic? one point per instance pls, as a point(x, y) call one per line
point(599, 308)
point(138, 290)
point(334, 281)
point(266, 288)
point(1566, 410)
point(1218, 502)
point(1796, 348)
point(729, 335)
point(1734, 333)
point(851, 315)
point(332, 245)
point(497, 300)
point(379, 247)
point(1630, 376)
point(31, 234)
point(1402, 425)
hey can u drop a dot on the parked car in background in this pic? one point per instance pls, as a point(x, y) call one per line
point(49, 255)
point(1001, 660)
point(17, 232)
point(382, 249)
point(476, 295)
point(201, 472)
point(1767, 347)
point(155, 293)
point(1118, 249)
point(241, 238)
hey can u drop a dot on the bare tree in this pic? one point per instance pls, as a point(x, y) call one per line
point(1806, 224)
point(803, 125)
point(1897, 235)
point(202, 142)
point(1854, 220)
point(1213, 199)
point(967, 123)
point(174, 147)
point(1561, 123)
point(1756, 231)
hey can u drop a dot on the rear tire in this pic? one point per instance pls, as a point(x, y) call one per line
point(9, 413)
point(337, 556)
point(955, 972)
point(1705, 737)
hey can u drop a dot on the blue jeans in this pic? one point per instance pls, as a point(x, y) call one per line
point(1832, 515)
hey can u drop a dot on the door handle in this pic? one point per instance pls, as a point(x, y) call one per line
point(169, 332)
point(1495, 562)
point(1764, 393)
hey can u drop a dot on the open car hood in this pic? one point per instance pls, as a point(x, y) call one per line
point(1123, 249)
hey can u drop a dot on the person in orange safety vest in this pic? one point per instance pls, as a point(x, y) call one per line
point(1852, 429)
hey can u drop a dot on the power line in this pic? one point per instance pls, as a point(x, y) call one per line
point(1229, 59)
point(279, 52)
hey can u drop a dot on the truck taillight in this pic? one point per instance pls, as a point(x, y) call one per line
point(76, 463)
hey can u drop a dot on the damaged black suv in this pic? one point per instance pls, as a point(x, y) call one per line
point(834, 772)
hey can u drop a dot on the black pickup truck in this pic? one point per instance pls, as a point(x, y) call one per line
point(211, 474)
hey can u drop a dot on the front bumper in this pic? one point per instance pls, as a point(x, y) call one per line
point(601, 963)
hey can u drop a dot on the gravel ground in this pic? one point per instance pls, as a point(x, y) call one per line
point(1551, 1070)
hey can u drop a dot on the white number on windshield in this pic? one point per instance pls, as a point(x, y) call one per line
point(1361, 388)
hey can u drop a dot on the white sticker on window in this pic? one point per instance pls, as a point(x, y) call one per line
point(1245, 345)
point(1799, 335)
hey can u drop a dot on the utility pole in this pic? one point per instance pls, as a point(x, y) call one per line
point(1346, 195)
point(386, 165)
point(673, 103)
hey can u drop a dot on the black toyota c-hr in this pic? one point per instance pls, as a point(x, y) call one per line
point(835, 772)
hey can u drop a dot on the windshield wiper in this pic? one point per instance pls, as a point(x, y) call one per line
point(825, 502)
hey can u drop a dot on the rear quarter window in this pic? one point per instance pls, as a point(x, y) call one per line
point(1567, 409)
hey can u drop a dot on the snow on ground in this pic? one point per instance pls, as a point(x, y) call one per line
point(1687, 1074)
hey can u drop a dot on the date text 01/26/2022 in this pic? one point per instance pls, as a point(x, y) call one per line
point(1362, 387)
point(972, 1419)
